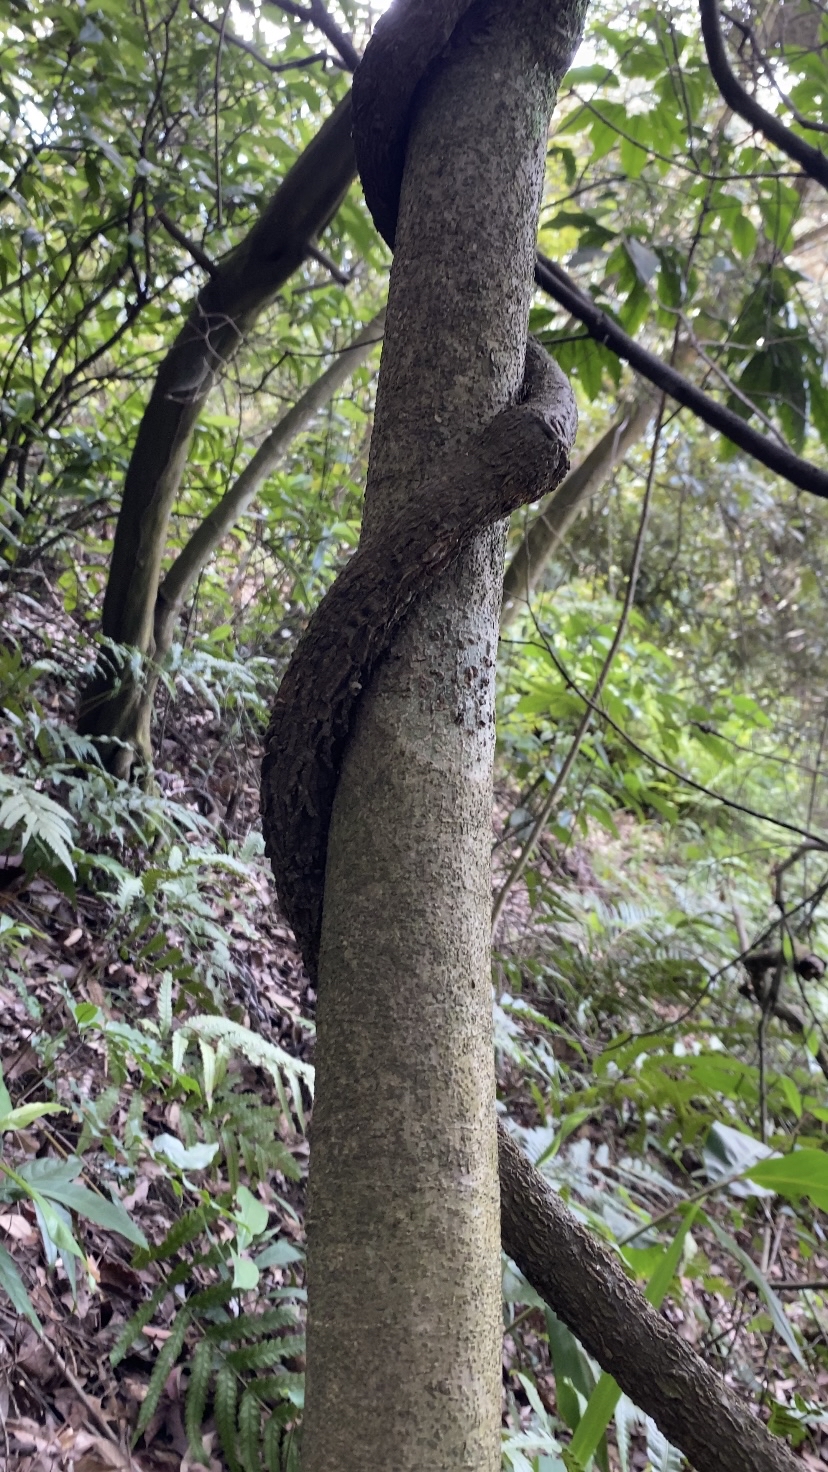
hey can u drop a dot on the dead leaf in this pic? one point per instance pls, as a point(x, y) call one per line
point(18, 1228)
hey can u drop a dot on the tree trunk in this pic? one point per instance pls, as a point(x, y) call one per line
point(210, 533)
point(404, 1336)
point(223, 314)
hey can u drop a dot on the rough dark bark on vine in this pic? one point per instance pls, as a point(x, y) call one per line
point(548, 529)
point(228, 305)
point(585, 1284)
point(115, 704)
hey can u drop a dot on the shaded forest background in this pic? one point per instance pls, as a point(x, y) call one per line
point(174, 260)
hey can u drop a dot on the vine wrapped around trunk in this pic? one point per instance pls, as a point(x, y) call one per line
point(520, 456)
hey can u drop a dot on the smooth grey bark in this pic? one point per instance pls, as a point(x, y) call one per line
point(552, 522)
point(404, 1332)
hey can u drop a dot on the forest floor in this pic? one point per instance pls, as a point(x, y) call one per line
point(62, 1404)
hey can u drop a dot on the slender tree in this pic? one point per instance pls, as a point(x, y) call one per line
point(177, 583)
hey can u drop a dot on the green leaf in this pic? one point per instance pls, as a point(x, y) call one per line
point(279, 1254)
point(40, 819)
point(251, 1212)
point(743, 232)
point(136, 1325)
point(194, 1157)
point(224, 1408)
point(250, 1414)
point(17, 1119)
point(245, 1272)
point(774, 1305)
point(575, 1380)
point(663, 1456)
point(195, 1404)
point(54, 1222)
point(801, 1173)
point(727, 1150)
point(98, 1209)
point(13, 1285)
point(167, 1356)
point(605, 1397)
point(181, 1234)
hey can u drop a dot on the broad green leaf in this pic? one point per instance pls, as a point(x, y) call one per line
point(18, 1119)
point(252, 1213)
point(801, 1173)
point(12, 1284)
point(604, 1398)
point(102, 1211)
point(727, 1150)
point(193, 1157)
point(279, 1254)
point(245, 1272)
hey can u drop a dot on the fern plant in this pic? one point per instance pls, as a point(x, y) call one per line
point(244, 1366)
point(248, 1133)
point(41, 827)
point(227, 1035)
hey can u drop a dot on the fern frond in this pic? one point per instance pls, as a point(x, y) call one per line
point(224, 1410)
point(184, 1231)
point(277, 1387)
point(250, 1415)
point(272, 1444)
point(250, 1129)
point(167, 1356)
point(194, 1406)
point(258, 1356)
point(136, 1325)
point(39, 817)
point(291, 1459)
point(261, 1054)
point(142, 1315)
point(216, 1296)
point(252, 1326)
point(262, 1356)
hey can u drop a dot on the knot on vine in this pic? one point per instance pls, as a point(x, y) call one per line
point(521, 455)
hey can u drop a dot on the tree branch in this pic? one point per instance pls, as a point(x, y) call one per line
point(552, 279)
point(322, 259)
point(749, 33)
point(812, 160)
point(209, 534)
point(317, 15)
point(586, 1286)
point(274, 67)
point(200, 256)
